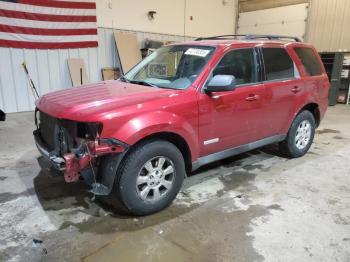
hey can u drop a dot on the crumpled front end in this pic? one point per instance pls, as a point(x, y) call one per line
point(74, 148)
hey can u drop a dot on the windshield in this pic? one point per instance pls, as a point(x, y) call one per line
point(174, 67)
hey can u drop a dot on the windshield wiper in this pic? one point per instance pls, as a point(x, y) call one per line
point(122, 78)
point(148, 83)
point(141, 82)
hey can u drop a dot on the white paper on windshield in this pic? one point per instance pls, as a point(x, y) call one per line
point(197, 52)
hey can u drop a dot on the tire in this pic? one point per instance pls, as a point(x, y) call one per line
point(150, 177)
point(303, 126)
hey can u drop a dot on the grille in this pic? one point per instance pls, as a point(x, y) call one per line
point(47, 130)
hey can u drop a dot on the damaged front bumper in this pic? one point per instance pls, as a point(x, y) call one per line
point(83, 157)
point(76, 150)
point(56, 161)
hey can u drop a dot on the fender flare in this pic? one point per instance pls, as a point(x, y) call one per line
point(297, 110)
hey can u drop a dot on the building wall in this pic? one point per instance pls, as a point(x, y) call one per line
point(209, 17)
point(328, 25)
point(49, 69)
point(327, 22)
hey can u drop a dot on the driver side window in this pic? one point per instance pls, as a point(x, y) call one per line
point(240, 63)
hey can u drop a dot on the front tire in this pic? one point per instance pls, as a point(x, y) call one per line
point(300, 135)
point(150, 177)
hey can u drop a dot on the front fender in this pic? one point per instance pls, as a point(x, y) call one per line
point(150, 123)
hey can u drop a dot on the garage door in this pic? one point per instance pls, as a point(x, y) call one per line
point(286, 20)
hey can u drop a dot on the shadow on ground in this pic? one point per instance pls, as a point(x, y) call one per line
point(104, 215)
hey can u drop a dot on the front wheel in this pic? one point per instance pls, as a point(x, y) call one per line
point(150, 177)
point(300, 135)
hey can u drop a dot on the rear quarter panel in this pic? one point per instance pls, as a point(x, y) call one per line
point(316, 88)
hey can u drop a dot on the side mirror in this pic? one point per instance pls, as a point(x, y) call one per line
point(221, 83)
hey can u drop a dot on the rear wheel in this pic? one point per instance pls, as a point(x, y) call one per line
point(150, 177)
point(300, 135)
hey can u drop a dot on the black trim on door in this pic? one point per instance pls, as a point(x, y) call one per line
point(262, 74)
point(235, 151)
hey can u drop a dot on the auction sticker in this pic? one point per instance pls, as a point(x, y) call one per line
point(197, 52)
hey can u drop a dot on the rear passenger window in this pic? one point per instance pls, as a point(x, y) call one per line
point(278, 64)
point(239, 63)
point(309, 60)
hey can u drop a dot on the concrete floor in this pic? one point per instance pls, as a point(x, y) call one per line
point(254, 207)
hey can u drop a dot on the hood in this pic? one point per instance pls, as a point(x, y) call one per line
point(78, 103)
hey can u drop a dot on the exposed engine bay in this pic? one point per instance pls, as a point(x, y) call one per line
point(75, 148)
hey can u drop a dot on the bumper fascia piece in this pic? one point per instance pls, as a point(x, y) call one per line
point(56, 161)
point(71, 164)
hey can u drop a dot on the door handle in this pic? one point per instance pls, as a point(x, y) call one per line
point(216, 97)
point(296, 89)
point(252, 97)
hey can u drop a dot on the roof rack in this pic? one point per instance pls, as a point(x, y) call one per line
point(250, 37)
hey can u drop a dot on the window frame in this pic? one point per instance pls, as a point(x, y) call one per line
point(296, 73)
point(257, 68)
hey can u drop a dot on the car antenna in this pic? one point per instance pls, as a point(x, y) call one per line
point(31, 83)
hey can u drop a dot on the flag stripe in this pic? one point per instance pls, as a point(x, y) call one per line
point(89, 1)
point(44, 24)
point(45, 31)
point(46, 10)
point(48, 24)
point(47, 38)
point(43, 17)
point(47, 45)
point(60, 4)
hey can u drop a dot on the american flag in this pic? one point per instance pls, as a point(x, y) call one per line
point(48, 24)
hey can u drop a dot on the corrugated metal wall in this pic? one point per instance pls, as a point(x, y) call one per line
point(328, 25)
point(49, 70)
point(328, 21)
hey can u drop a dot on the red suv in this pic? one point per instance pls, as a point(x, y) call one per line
point(182, 107)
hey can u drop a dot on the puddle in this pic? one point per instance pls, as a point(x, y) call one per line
point(275, 207)
point(70, 204)
point(235, 180)
point(339, 138)
point(105, 222)
point(7, 196)
point(327, 130)
point(206, 234)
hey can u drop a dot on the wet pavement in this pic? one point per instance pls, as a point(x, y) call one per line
point(257, 206)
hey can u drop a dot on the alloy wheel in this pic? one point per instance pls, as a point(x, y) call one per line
point(155, 179)
point(303, 135)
